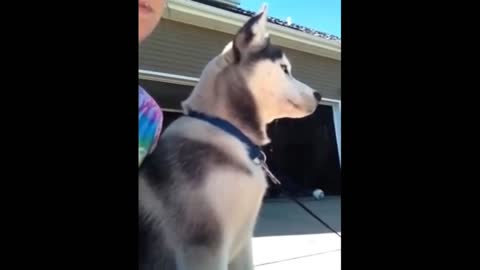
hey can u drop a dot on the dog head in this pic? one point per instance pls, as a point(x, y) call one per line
point(252, 81)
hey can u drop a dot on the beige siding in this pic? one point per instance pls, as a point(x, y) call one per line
point(185, 49)
point(180, 48)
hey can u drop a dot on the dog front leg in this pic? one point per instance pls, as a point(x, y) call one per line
point(244, 259)
point(202, 258)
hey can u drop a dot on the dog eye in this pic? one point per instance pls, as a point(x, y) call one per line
point(285, 69)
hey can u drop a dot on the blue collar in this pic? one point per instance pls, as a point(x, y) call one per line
point(254, 151)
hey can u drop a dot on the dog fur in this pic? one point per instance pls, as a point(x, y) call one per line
point(199, 192)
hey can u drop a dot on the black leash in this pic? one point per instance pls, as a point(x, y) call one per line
point(290, 195)
point(310, 212)
point(277, 182)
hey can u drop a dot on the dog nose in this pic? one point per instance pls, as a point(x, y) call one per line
point(317, 96)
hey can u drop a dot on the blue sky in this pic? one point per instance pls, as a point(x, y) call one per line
point(321, 15)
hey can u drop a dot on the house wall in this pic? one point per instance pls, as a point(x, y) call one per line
point(184, 49)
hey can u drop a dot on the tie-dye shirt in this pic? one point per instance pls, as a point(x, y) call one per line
point(150, 119)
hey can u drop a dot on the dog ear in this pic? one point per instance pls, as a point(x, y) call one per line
point(228, 54)
point(252, 36)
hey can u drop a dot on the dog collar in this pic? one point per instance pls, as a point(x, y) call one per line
point(254, 151)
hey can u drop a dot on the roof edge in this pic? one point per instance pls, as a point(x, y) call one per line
point(205, 16)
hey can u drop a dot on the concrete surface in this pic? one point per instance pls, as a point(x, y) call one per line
point(287, 237)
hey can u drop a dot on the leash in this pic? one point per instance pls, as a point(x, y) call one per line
point(277, 182)
point(258, 157)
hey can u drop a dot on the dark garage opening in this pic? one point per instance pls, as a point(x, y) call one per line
point(303, 153)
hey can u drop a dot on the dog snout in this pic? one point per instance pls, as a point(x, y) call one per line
point(317, 96)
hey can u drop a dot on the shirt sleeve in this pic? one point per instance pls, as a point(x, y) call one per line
point(150, 120)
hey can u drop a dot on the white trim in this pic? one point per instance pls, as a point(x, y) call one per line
point(166, 77)
point(327, 100)
point(205, 16)
point(172, 110)
point(337, 122)
point(187, 80)
point(192, 81)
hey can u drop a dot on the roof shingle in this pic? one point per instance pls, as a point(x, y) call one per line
point(270, 19)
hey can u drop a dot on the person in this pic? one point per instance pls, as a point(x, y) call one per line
point(150, 115)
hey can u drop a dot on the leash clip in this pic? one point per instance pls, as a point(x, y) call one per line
point(270, 175)
point(261, 159)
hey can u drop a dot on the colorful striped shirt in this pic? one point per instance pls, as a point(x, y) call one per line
point(150, 120)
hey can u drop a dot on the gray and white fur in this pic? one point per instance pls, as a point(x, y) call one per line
point(199, 192)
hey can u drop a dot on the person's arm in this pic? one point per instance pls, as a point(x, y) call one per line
point(150, 120)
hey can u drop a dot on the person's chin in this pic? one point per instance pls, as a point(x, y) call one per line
point(143, 32)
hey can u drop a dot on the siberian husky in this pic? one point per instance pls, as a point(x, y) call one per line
point(201, 189)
